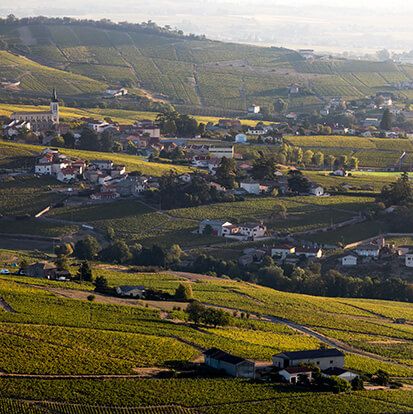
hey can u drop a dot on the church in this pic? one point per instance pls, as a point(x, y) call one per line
point(41, 121)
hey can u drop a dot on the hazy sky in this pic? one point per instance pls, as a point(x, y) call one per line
point(362, 25)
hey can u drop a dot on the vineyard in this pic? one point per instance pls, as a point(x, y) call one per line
point(204, 74)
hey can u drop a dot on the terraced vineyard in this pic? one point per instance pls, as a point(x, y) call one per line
point(219, 77)
point(55, 330)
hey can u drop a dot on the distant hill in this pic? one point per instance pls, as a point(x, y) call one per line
point(189, 72)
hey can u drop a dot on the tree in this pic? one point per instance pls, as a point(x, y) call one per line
point(184, 292)
point(91, 299)
point(117, 252)
point(330, 160)
point(381, 377)
point(398, 193)
point(117, 147)
point(298, 183)
point(226, 172)
point(318, 159)
point(101, 284)
point(57, 141)
point(280, 105)
point(174, 254)
point(89, 140)
point(106, 141)
point(215, 317)
point(264, 168)
point(386, 120)
point(208, 230)
point(64, 249)
point(195, 311)
point(339, 385)
point(62, 263)
point(23, 266)
point(279, 212)
point(357, 384)
point(85, 273)
point(110, 233)
point(354, 163)
point(87, 248)
point(69, 140)
point(308, 157)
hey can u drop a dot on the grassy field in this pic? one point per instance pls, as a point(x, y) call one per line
point(117, 115)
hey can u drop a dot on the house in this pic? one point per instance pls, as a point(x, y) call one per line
point(218, 227)
point(253, 187)
point(131, 291)
point(295, 375)
point(408, 260)
point(368, 250)
point(371, 122)
point(323, 358)
point(309, 252)
point(132, 185)
point(229, 124)
point(294, 89)
point(15, 127)
point(221, 152)
point(316, 190)
point(339, 372)
point(282, 250)
point(307, 53)
point(67, 174)
point(102, 164)
point(241, 139)
point(44, 168)
point(254, 109)
point(230, 364)
point(349, 260)
point(200, 161)
point(341, 172)
point(252, 230)
point(44, 270)
point(117, 170)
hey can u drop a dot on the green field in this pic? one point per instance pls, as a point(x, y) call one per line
point(209, 76)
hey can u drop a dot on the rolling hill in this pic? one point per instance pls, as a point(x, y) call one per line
point(209, 76)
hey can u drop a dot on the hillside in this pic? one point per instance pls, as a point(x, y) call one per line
point(82, 353)
point(191, 73)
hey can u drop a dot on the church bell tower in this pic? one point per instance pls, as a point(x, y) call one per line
point(54, 107)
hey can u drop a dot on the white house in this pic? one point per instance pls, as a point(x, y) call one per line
point(294, 375)
point(317, 190)
point(323, 358)
point(309, 252)
point(294, 89)
point(131, 291)
point(252, 230)
point(43, 169)
point(253, 187)
point(100, 126)
point(67, 174)
point(339, 372)
point(349, 260)
point(218, 227)
point(408, 260)
point(230, 364)
point(368, 250)
point(282, 250)
point(221, 152)
point(241, 139)
point(254, 109)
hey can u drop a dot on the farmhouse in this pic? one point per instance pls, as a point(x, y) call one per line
point(253, 187)
point(131, 291)
point(368, 250)
point(232, 365)
point(349, 260)
point(252, 230)
point(217, 227)
point(308, 252)
point(294, 375)
point(282, 250)
point(42, 270)
point(316, 190)
point(102, 164)
point(323, 358)
point(339, 372)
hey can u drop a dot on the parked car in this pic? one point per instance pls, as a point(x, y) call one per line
point(4, 272)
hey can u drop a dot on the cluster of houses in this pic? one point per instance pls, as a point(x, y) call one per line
point(375, 249)
point(292, 367)
point(222, 228)
point(108, 180)
point(45, 270)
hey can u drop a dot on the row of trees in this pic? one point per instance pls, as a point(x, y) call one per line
point(174, 123)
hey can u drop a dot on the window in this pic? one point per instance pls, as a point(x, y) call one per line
point(318, 362)
point(331, 361)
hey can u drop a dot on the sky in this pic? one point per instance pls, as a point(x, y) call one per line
point(326, 25)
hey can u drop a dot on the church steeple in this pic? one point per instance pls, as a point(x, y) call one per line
point(54, 95)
